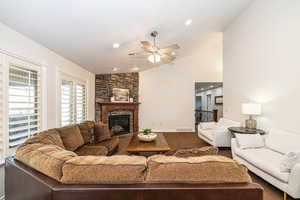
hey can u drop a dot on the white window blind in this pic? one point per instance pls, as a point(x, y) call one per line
point(24, 104)
point(80, 103)
point(2, 137)
point(73, 101)
point(67, 103)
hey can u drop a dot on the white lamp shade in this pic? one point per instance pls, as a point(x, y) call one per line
point(251, 109)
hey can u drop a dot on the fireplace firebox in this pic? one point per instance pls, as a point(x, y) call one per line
point(119, 124)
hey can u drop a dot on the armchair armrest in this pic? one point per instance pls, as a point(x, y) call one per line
point(206, 125)
point(294, 183)
point(222, 136)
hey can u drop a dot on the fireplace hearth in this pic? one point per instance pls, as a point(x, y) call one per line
point(119, 124)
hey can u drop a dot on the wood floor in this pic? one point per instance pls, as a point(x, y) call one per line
point(190, 140)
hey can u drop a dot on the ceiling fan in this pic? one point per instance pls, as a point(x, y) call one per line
point(156, 54)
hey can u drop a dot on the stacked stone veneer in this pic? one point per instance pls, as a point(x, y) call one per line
point(106, 82)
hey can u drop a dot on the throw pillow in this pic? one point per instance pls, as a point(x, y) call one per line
point(289, 160)
point(208, 150)
point(101, 132)
point(248, 141)
point(71, 137)
point(87, 131)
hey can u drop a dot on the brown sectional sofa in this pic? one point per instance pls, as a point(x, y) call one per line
point(79, 165)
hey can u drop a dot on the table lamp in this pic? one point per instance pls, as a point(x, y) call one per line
point(251, 109)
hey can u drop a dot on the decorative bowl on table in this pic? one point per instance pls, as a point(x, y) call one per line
point(147, 135)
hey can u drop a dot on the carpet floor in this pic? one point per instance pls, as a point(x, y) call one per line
point(179, 140)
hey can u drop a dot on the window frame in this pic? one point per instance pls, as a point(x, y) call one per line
point(8, 60)
point(75, 81)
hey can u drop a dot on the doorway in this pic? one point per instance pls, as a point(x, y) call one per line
point(208, 101)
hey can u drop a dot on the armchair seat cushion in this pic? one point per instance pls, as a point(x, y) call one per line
point(87, 150)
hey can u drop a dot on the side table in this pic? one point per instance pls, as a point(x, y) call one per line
point(243, 130)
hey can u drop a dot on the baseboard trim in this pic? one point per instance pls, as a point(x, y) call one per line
point(169, 131)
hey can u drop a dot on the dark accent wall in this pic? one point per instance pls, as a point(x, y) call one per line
point(106, 82)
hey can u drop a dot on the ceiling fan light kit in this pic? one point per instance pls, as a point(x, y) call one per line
point(154, 58)
point(156, 54)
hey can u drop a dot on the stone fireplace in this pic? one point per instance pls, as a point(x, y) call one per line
point(122, 118)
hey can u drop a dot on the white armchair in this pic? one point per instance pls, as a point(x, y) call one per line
point(217, 134)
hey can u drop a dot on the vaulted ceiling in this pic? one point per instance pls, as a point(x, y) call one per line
point(84, 30)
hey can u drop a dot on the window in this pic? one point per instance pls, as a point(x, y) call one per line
point(24, 109)
point(2, 138)
point(73, 101)
point(20, 102)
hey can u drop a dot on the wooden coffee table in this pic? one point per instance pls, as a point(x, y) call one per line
point(159, 145)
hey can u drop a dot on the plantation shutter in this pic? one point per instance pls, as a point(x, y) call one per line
point(2, 136)
point(67, 103)
point(80, 103)
point(73, 101)
point(24, 104)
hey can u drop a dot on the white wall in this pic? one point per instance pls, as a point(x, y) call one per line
point(20, 45)
point(167, 93)
point(262, 63)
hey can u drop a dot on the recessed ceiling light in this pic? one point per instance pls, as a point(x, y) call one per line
point(173, 53)
point(116, 45)
point(188, 22)
point(135, 68)
point(115, 69)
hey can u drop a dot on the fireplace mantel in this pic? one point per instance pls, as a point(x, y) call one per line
point(106, 107)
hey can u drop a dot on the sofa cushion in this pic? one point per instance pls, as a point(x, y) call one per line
point(101, 170)
point(71, 137)
point(101, 132)
point(266, 160)
point(47, 159)
point(110, 144)
point(248, 141)
point(208, 150)
point(204, 169)
point(92, 151)
point(47, 137)
point(274, 141)
point(87, 131)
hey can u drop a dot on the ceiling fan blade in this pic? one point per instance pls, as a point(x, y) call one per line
point(146, 45)
point(137, 53)
point(168, 58)
point(169, 48)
